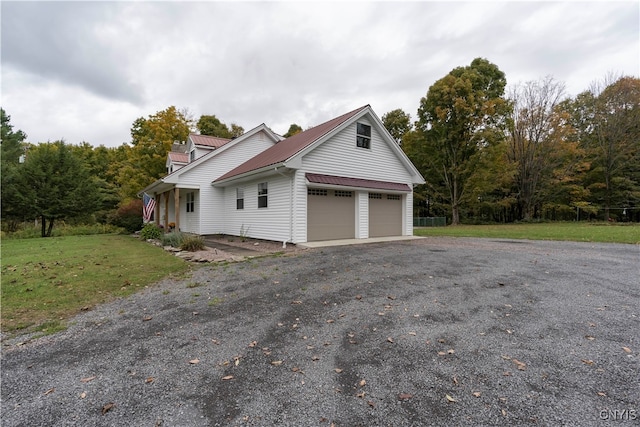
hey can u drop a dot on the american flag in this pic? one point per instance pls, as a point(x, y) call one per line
point(149, 205)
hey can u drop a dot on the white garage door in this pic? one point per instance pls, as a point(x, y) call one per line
point(385, 215)
point(331, 214)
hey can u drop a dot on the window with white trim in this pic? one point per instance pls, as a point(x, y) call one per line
point(191, 202)
point(363, 135)
point(263, 192)
point(239, 198)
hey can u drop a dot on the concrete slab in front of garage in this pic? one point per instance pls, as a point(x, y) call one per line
point(344, 242)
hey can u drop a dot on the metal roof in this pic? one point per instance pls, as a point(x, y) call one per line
point(356, 182)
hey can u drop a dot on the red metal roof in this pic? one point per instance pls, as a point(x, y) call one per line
point(208, 141)
point(178, 157)
point(287, 148)
point(356, 182)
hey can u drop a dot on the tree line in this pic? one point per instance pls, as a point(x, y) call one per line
point(487, 154)
point(529, 153)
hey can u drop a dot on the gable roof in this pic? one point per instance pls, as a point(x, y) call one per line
point(178, 157)
point(289, 147)
point(208, 141)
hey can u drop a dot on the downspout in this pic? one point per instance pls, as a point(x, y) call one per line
point(284, 242)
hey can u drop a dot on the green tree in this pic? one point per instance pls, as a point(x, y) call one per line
point(462, 114)
point(54, 185)
point(212, 126)
point(13, 147)
point(398, 123)
point(293, 129)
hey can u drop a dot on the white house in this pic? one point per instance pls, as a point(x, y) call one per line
point(345, 178)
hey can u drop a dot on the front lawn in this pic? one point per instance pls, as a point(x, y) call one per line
point(47, 280)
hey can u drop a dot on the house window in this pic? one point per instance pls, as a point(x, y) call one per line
point(340, 193)
point(393, 197)
point(191, 202)
point(262, 195)
point(239, 198)
point(316, 192)
point(363, 135)
point(375, 195)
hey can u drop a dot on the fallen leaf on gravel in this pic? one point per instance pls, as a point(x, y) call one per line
point(86, 380)
point(194, 361)
point(83, 395)
point(358, 297)
point(455, 380)
point(149, 380)
point(450, 399)
point(505, 357)
point(361, 395)
point(362, 383)
point(227, 378)
point(370, 403)
point(253, 344)
point(391, 297)
point(589, 337)
point(626, 349)
point(521, 366)
point(476, 393)
point(338, 370)
point(390, 340)
point(451, 351)
point(106, 408)
point(600, 393)
point(441, 353)
point(504, 413)
point(315, 358)
point(146, 318)
point(404, 396)
point(506, 374)
point(441, 340)
point(587, 362)
point(296, 302)
point(309, 347)
point(330, 320)
point(51, 390)
point(297, 370)
point(276, 362)
point(412, 333)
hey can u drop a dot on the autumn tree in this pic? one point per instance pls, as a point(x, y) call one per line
point(151, 140)
point(538, 143)
point(398, 123)
point(293, 129)
point(614, 143)
point(461, 115)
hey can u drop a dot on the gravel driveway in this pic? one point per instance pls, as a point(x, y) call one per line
point(436, 331)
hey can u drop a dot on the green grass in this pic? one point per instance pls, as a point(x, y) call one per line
point(47, 280)
point(573, 231)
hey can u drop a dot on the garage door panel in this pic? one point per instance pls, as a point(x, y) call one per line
point(330, 214)
point(385, 215)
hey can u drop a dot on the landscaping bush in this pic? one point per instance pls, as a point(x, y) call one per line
point(129, 216)
point(174, 239)
point(151, 231)
point(192, 243)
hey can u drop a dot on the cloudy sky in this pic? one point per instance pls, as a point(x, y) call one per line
point(84, 71)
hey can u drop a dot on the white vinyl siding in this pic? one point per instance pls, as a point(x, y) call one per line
point(212, 199)
point(340, 156)
point(271, 223)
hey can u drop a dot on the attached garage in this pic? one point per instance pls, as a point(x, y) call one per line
point(385, 215)
point(331, 214)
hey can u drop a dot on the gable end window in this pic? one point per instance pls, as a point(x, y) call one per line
point(263, 192)
point(363, 135)
point(191, 202)
point(239, 198)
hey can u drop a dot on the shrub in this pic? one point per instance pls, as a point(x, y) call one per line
point(150, 231)
point(174, 239)
point(192, 243)
point(129, 216)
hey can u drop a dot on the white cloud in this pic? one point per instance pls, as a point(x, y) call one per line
point(86, 71)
